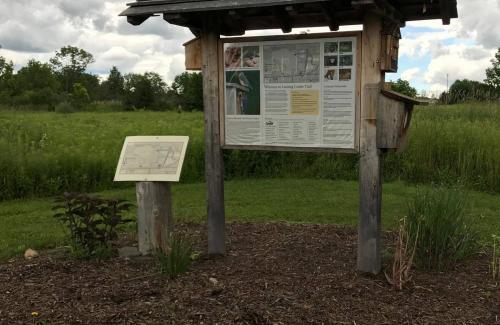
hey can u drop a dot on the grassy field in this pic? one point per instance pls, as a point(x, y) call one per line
point(29, 223)
point(48, 153)
point(44, 153)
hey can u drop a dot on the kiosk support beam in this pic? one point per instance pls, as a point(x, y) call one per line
point(370, 185)
point(214, 164)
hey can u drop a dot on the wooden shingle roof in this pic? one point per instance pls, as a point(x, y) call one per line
point(236, 16)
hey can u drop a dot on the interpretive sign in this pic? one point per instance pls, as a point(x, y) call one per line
point(152, 159)
point(291, 93)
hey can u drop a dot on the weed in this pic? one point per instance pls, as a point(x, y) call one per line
point(92, 222)
point(177, 258)
point(446, 235)
point(403, 257)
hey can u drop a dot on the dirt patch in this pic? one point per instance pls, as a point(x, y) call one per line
point(273, 274)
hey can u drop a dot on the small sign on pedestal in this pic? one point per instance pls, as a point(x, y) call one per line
point(153, 162)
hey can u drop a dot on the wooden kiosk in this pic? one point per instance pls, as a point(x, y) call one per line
point(380, 118)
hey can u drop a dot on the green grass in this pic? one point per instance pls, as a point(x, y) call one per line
point(28, 223)
point(454, 144)
point(439, 224)
point(47, 153)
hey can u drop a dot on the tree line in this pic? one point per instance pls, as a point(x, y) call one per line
point(465, 90)
point(64, 84)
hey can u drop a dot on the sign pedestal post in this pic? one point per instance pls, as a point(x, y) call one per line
point(154, 216)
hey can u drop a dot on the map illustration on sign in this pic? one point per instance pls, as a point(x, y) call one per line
point(291, 63)
point(154, 158)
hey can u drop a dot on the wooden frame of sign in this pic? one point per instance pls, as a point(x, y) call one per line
point(280, 38)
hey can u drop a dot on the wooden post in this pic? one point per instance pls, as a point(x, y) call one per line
point(214, 164)
point(154, 215)
point(370, 185)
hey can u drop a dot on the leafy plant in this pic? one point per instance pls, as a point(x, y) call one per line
point(438, 219)
point(403, 257)
point(177, 258)
point(92, 221)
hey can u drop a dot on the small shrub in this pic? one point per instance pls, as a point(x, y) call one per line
point(65, 108)
point(92, 222)
point(438, 218)
point(177, 258)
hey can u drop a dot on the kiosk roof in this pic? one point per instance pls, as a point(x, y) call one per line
point(236, 16)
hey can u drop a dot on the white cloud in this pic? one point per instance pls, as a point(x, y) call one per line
point(411, 74)
point(462, 50)
point(480, 20)
point(457, 64)
point(95, 26)
point(36, 29)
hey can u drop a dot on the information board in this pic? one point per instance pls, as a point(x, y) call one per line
point(152, 159)
point(297, 93)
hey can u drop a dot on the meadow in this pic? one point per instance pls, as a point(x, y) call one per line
point(45, 153)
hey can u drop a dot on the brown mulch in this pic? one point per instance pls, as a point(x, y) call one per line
point(272, 274)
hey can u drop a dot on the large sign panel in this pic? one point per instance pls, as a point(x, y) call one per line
point(291, 93)
point(152, 159)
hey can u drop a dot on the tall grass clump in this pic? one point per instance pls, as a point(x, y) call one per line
point(177, 259)
point(439, 224)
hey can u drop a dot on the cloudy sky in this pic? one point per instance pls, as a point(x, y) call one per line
point(37, 28)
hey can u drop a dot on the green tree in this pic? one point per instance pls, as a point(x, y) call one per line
point(6, 69)
point(70, 63)
point(91, 83)
point(113, 87)
point(403, 87)
point(493, 73)
point(138, 93)
point(146, 91)
point(36, 85)
point(189, 87)
point(157, 84)
point(36, 76)
point(6, 72)
point(79, 96)
point(470, 90)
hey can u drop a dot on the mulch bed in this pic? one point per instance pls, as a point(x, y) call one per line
point(272, 274)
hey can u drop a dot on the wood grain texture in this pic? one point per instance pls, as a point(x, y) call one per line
point(370, 187)
point(154, 215)
point(193, 55)
point(258, 14)
point(214, 164)
point(391, 117)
